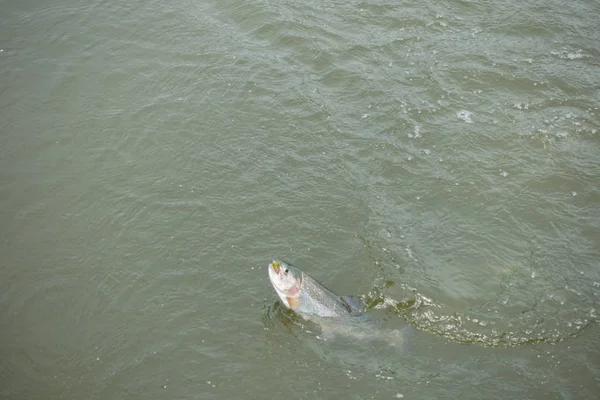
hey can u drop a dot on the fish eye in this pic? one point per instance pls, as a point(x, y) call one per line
point(286, 270)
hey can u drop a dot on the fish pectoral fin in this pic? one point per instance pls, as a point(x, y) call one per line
point(293, 302)
point(352, 303)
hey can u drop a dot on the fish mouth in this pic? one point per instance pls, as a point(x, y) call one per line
point(276, 265)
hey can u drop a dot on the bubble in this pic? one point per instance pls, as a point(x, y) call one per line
point(465, 116)
point(417, 131)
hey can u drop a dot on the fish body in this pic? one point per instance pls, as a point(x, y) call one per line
point(304, 295)
point(333, 313)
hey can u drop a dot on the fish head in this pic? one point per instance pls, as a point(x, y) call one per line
point(287, 281)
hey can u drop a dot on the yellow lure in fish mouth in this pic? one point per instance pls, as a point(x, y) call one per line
point(276, 266)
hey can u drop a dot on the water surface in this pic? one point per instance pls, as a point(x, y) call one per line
point(154, 157)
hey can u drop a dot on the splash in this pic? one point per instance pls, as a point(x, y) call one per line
point(488, 329)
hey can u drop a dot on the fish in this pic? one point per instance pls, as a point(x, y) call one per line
point(333, 313)
point(304, 295)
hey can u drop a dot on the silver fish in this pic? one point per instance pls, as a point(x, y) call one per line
point(313, 301)
point(304, 295)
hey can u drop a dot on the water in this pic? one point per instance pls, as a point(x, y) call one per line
point(154, 158)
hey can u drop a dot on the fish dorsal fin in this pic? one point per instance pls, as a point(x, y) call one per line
point(352, 303)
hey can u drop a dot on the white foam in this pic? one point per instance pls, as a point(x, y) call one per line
point(465, 116)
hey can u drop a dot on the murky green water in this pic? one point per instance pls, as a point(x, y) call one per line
point(155, 156)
